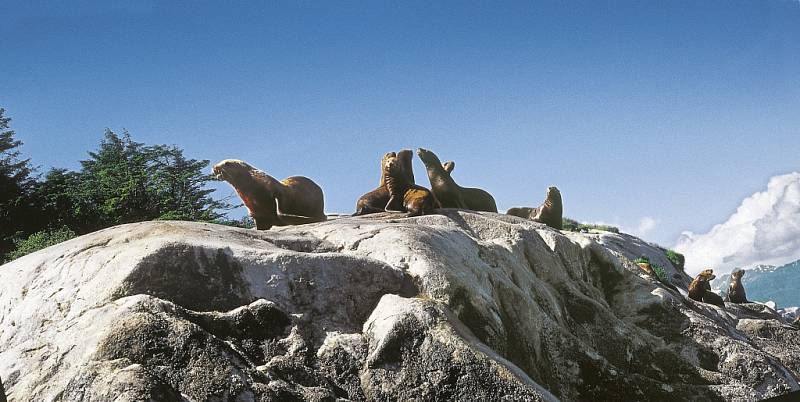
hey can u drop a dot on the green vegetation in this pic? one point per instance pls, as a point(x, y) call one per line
point(660, 273)
point(575, 226)
point(16, 184)
point(657, 269)
point(40, 240)
point(677, 259)
point(122, 181)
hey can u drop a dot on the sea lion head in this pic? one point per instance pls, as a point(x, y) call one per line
point(233, 171)
point(737, 275)
point(706, 275)
point(553, 193)
point(251, 185)
point(428, 158)
point(391, 164)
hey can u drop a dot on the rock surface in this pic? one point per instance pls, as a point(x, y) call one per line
point(458, 306)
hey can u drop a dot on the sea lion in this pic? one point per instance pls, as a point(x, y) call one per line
point(375, 201)
point(647, 268)
point(712, 298)
point(550, 212)
point(736, 293)
point(700, 289)
point(292, 201)
point(405, 196)
point(450, 194)
point(522, 212)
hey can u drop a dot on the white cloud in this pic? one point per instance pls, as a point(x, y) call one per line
point(646, 225)
point(765, 229)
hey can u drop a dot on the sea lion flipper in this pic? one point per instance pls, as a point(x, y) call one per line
point(395, 204)
point(262, 223)
point(366, 210)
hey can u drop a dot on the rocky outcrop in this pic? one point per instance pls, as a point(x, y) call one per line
point(458, 306)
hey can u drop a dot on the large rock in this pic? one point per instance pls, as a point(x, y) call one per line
point(459, 306)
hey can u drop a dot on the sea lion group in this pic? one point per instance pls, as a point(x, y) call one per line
point(450, 194)
point(375, 201)
point(298, 200)
point(700, 289)
point(404, 195)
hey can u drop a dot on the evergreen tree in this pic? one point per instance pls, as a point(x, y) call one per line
point(15, 187)
point(125, 181)
point(179, 184)
point(63, 201)
point(114, 183)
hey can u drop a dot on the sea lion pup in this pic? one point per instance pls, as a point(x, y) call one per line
point(550, 212)
point(292, 201)
point(736, 292)
point(700, 289)
point(405, 196)
point(375, 201)
point(450, 194)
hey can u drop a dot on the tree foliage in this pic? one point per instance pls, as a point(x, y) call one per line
point(15, 187)
point(40, 240)
point(178, 185)
point(122, 181)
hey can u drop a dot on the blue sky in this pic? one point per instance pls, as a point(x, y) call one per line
point(674, 111)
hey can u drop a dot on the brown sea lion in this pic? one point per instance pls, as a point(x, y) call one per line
point(292, 201)
point(522, 212)
point(405, 196)
point(550, 212)
point(712, 298)
point(647, 268)
point(450, 194)
point(700, 289)
point(375, 201)
point(736, 292)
